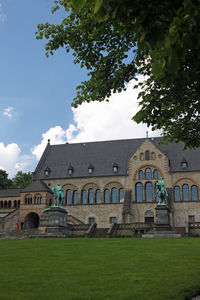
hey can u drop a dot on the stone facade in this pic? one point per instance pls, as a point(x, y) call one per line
point(128, 197)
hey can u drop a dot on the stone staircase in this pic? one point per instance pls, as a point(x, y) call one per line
point(100, 233)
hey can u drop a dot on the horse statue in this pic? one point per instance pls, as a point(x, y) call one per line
point(161, 192)
point(58, 196)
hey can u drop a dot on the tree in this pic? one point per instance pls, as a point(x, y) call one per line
point(21, 180)
point(5, 182)
point(118, 39)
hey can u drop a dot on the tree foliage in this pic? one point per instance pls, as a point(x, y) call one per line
point(5, 182)
point(19, 181)
point(118, 39)
point(22, 180)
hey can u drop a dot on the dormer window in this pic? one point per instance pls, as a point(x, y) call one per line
point(47, 171)
point(70, 170)
point(184, 164)
point(115, 167)
point(90, 169)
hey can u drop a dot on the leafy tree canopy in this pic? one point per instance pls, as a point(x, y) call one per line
point(118, 39)
point(21, 180)
point(5, 182)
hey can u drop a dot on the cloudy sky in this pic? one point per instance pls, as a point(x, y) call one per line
point(36, 93)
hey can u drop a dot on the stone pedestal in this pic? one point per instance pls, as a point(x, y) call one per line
point(162, 219)
point(53, 221)
point(162, 228)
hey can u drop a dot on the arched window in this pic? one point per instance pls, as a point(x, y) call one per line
point(84, 197)
point(75, 197)
point(194, 193)
point(114, 195)
point(149, 192)
point(147, 155)
point(185, 190)
point(68, 197)
point(121, 195)
point(148, 173)
point(9, 204)
point(5, 204)
point(139, 192)
point(141, 175)
point(155, 174)
point(98, 196)
point(177, 193)
point(18, 203)
point(91, 196)
point(106, 196)
point(1, 204)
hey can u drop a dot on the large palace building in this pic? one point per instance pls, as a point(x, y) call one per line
point(110, 182)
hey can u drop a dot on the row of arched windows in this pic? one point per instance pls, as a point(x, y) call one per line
point(148, 174)
point(92, 196)
point(185, 193)
point(10, 204)
point(145, 193)
point(36, 200)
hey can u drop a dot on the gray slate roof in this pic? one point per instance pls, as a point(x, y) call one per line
point(37, 186)
point(102, 156)
point(10, 193)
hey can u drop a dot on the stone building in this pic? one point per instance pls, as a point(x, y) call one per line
point(110, 182)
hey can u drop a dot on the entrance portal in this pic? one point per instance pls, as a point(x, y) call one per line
point(32, 221)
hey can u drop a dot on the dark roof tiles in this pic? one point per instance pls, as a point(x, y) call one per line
point(37, 186)
point(102, 156)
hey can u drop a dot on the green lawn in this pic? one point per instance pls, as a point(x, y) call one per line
point(126, 268)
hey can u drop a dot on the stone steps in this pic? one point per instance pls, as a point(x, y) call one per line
point(100, 233)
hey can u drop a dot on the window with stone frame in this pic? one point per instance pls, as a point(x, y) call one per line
point(91, 220)
point(113, 220)
point(191, 219)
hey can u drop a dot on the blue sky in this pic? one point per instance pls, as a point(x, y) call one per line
point(36, 92)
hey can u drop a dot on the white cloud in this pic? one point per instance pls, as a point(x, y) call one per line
point(11, 159)
point(100, 121)
point(3, 16)
point(8, 112)
point(57, 136)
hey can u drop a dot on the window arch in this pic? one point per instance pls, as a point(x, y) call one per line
point(185, 191)
point(141, 175)
point(106, 196)
point(177, 193)
point(148, 173)
point(75, 197)
point(1, 204)
point(5, 204)
point(98, 196)
point(9, 204)
point(91, 196)
point(149, 192)
point(121, 194)
point(147, 155)
point(155, 174)
point(84, 197)
point(194, 193)
point(139, 192)
point(38, 199)
point(68, 197)
point(114, 195)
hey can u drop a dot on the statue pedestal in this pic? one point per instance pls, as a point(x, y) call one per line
point(53, 221)
point(162, 219)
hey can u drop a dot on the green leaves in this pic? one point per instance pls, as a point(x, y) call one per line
point(117, 39)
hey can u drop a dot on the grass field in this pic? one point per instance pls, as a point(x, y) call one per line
point(126, 268)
